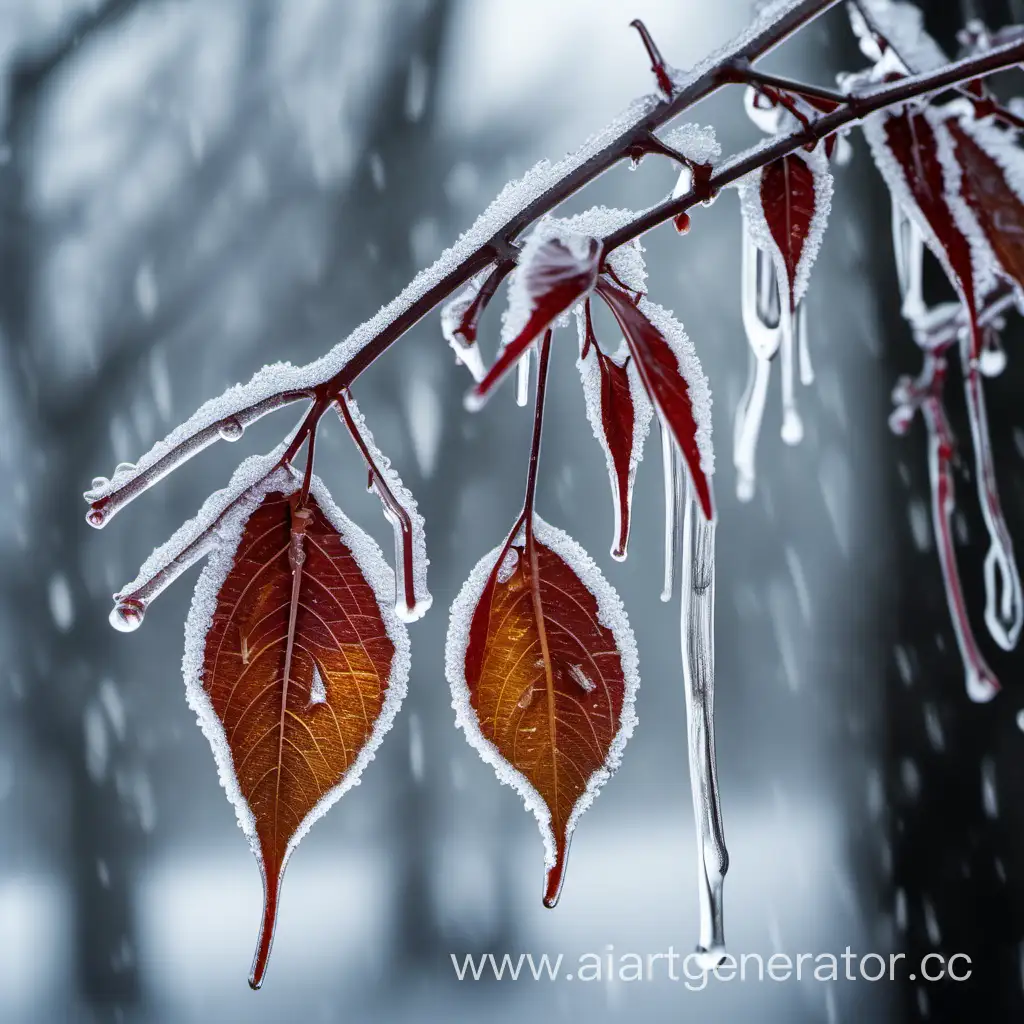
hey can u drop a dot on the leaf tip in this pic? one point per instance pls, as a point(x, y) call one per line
point(555, 877)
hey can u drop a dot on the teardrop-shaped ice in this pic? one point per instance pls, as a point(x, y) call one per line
point(230, 428)
point(127, 614)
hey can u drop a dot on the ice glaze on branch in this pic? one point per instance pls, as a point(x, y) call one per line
point(491, 240)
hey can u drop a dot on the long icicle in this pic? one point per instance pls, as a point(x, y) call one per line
point(698, 645)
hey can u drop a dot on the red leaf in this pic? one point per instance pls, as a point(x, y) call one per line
point(299, 676)
point(788, 196)
point(551, 279)
point(542, 665)
point(620, 426)
point(667, 385)
point(910, 138)
point(994, 203)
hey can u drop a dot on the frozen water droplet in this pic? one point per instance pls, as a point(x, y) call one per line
point(792, 427)
point(127, 614)
point(508, 566)
point(317, 689)
point(124, 467)
point(99, 482)
point(577, 673)
point(682, 223)
point(96, 517)
point(230, 428)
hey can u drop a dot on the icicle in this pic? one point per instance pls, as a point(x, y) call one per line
point(981, 683)
point(908, 247)
point(674, 475)
point(792, 425)
point(803, 347)
point(747, 430)
point(1004, 606)
point(523, 380)
point(698, 643)
point(760, 298)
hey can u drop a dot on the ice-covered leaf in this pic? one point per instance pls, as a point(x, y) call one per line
point(906, 149)
point(295, 664)
point(556, 270)
point(620, 414)
point(785, 210)
point(460, 320)
point(989, 176)
point(672, 376)
point(543, 670)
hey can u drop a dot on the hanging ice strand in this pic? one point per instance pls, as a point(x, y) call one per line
point(760, 306)
point(785, 207)
point(697, 626)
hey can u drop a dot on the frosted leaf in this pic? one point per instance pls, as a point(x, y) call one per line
point(689, 366)
point(378, 573)
point(610, 614)
point(759, 232)
point(627, 260)
point(573, 254)
point(643, 413)
point(1003, 148)
point(410, 537)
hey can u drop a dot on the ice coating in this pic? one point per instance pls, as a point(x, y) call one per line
point(689, 366)
point(466, 351)
point(758, 232)
point(374, 567)
point(610, 614)
point(409, 612)
point(643, 412)
point(902, 26)
point(283, 382)
point(1004, 149)
point(747, 425)
point(696, 142)
point(271, 381)
point(580, 252)
point(196, 537)
point(627, 261)
point(674, 478)
point(697, 628)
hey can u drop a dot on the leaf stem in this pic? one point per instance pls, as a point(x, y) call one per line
point(538, 428)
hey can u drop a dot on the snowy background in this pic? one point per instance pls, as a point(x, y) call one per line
point(190, 189)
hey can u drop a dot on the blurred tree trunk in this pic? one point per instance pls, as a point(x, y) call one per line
point(956, 853)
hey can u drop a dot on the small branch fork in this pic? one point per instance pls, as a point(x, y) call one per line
point(499, 253)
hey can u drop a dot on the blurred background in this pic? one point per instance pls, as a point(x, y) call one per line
point(191, 189)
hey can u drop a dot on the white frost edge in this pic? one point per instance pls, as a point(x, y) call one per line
point(249, 473)
point(419, 535)
point(892, 173)
point(378, 574)
point(452, 312)
point(521, 302)
point(643, 411)
point(610, 613)
point(756, 222)
point(903, 25)
point(1005, 151)
point(693, 373)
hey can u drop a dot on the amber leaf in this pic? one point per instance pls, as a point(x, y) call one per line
point(303, 667)
point(542, 664)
